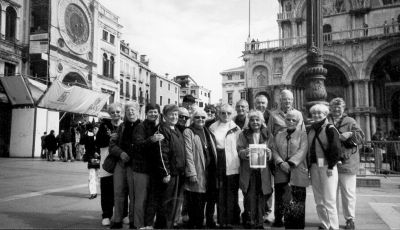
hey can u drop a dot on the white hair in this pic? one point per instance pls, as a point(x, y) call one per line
point(321, 108)
point(286, 92)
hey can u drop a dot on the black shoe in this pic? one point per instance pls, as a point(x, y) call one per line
point(92, 196)
point(132, 226)
point(116, 225)
point(350, 224)
point(211, 225)
point(278, 224)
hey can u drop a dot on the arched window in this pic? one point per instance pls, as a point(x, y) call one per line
point(112, 62)
point(327, 30)
point(147, 96)
point(105, 65)
point(11, 23)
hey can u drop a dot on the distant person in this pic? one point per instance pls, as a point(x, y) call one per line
point(241, 119)
point(365, 26)
point(261, 104)
point(210, 110)
point(209, 122)
point(61, 154)
point(92, 156)
point(66, 139)
point(51, 145)
point(189, 102)
point(385, 28)
point(43, 145)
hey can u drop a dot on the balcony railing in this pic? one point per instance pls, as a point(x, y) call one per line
point(286, 15)
point(384, 30)
point(380, 157)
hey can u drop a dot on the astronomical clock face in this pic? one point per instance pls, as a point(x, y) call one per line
point(74, 24)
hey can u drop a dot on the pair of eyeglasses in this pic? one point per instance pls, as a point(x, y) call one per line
point(200, 117)
point(210, 111)
point(291, 120)
point(114, 112)
point(226, 113)
point(183, 117)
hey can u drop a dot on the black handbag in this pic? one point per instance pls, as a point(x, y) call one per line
point(109, 164)
point(350, 142)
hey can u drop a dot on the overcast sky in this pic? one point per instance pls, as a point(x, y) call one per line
point(200, 38)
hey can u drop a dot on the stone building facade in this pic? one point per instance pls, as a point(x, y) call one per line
point(189, 86)
point(361, 54)
point(233, 85)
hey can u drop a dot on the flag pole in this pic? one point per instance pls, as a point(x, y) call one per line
point(249, 22)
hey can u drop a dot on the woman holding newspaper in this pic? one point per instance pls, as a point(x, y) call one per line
point(255, 175)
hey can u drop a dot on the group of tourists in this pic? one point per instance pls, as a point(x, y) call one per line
point(189, 162)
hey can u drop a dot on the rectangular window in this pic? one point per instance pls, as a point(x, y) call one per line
point(112, 39)
point(183, 92)
point(201, 104)
point(121, 88)
point(105, 35)
point(193, 92)
point(134, 92)
point(9, 69)
point(160, 100)
point(169, 101)
point(127, 89)
point(242, 95)
point(242, 76)
point(169, 87)
point(230, 100)
point(229, 77)
point(160, 83)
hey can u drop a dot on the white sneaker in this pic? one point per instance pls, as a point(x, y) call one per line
point(106, 222)
point(125, 220)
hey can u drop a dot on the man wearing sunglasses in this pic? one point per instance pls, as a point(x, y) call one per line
point(183, 119)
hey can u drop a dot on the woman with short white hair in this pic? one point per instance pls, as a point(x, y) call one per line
point(350, 136)
point(226, 133)
point(323, 155)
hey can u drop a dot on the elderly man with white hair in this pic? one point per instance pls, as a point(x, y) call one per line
point(276, 121)
point(323, 155)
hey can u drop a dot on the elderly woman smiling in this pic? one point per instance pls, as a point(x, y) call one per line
point(201, 160)
point(226, 133)
point(324, 151)
point(289, 148)
point(255, 183)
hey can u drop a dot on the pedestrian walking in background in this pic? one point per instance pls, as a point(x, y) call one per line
point(350, 137)
point(255, 183)
point(200, 172)
point(66, 140)
point(51, 145)
point(43, 153)
point(226, 133)
point(171, 168)
point(121, 147)
point(289, 150)
point(61, 154)
point(324, 152)
point(107, 129)
point(92, 157)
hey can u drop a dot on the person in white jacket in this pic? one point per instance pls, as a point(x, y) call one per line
point(226, 133)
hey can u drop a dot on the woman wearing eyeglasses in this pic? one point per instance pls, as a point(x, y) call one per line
point(201, 160)
point(226, 133)
point(255, 183)
point(183, 117)
point(289, 150)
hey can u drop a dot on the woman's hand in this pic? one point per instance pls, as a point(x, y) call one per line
point(245, 153)
point(329, 172)
point(124, 157)
point(285, 167)
point(166, 179)
point(269, 154)
point(193, 179)
point(344, 136)
point(157, 138)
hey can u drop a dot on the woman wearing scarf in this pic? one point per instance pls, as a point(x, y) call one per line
point(324, 151)
point(289, 150)
point(201, 163)
point(226, 133)
point(255, 183)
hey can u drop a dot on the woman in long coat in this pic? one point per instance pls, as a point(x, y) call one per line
point(289, 151)
point(255, 183)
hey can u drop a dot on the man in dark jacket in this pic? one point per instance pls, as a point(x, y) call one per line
point(121, 147)
point(51, 145)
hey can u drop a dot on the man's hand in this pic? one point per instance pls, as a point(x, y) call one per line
point(124, 157)
point(245, 153)
point(166, 179)
point(344, 136)
point(285, 167)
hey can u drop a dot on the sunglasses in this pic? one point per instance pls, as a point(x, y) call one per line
point(200, 117)
point(114, 112)
point(209, 111)
point(183, 117)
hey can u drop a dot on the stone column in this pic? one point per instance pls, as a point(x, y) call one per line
point(371, 94)
point(350, 93)
point(382, 124)
point(367, 128)
point(356, 95)
point(373, 124)
point(17, 28)
point(3, 22)
point(366, 93)
point(358, 118)
point(389, 123)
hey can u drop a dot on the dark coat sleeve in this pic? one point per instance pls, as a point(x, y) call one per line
point(333, 151)
point(114, 147)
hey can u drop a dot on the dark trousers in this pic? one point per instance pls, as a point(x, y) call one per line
point(228, 200)
point(253, 202)
point(290, 205)
point(211, 200)
point(107, 196)
point(195, 206)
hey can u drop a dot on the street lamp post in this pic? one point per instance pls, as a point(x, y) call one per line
point(315, 73)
